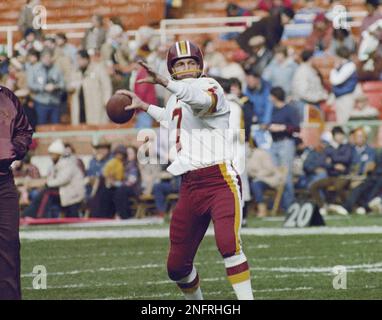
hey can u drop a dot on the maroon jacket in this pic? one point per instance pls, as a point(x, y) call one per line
point(15, 131)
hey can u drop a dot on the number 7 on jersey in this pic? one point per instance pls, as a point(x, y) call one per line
point(178, 113)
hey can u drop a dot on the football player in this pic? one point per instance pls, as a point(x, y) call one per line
point(198, 113)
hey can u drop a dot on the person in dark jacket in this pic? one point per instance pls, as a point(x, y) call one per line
point(284, 125)
point(120, 181)
point(271, 27)
point(338, 161)
point(258, 92)
point(361, 196)
point(15, 138)
point(260, 56)
point(363, 155)
point(131, 185)
point(314, 166)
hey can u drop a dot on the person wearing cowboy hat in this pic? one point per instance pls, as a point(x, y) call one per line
point(101, 155)
point(65, 186)
point(113, 174)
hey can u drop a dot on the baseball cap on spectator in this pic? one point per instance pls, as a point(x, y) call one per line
point(57, 147)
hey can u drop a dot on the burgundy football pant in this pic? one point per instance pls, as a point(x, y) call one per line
point(9, 240)
point(209, 193)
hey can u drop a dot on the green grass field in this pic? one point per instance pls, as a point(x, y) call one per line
point(282, 267)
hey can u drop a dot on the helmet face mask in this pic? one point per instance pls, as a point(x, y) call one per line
point(184, 50)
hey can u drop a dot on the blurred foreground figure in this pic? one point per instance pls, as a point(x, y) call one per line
point(15, 138)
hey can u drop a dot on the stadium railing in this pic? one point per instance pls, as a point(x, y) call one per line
point(167, 27)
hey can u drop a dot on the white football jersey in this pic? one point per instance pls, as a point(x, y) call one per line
point(197, 116)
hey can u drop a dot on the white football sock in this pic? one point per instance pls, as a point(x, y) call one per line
point(190, 286)
point(239, 276)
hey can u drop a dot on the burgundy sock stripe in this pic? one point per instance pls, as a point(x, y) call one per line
point(238, 269)
point(189, 285)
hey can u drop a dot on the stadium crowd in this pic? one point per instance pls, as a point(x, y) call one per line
point(271, 83)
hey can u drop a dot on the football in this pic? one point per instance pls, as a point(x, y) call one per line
point(115, 108)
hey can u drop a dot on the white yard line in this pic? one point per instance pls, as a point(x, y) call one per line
point(375, 267)
point(105, 223)
point(367, 267)
point(163, 233)
point(164, 294)
point(117, 223)
point(102, 269)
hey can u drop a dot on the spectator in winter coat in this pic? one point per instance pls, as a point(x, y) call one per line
point(264, 175)
point(363, 158)
point(281, 70)
point(47, 84)
point(344, 80)
point(338, 164)
point(258, 91)
point(91, 87)
point(307, 86)
point(65, 186)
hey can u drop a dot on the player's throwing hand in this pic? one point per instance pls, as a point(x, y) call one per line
point(153, 77)
point(136, 102)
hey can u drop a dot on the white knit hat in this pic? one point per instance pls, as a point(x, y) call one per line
point(57, 147)
point(326, 137)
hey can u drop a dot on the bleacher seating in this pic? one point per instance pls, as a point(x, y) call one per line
point(133, 13)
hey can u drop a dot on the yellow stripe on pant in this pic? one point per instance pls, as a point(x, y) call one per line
point(235, 191)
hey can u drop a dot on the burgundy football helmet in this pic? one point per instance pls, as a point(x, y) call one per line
point(184, 49)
